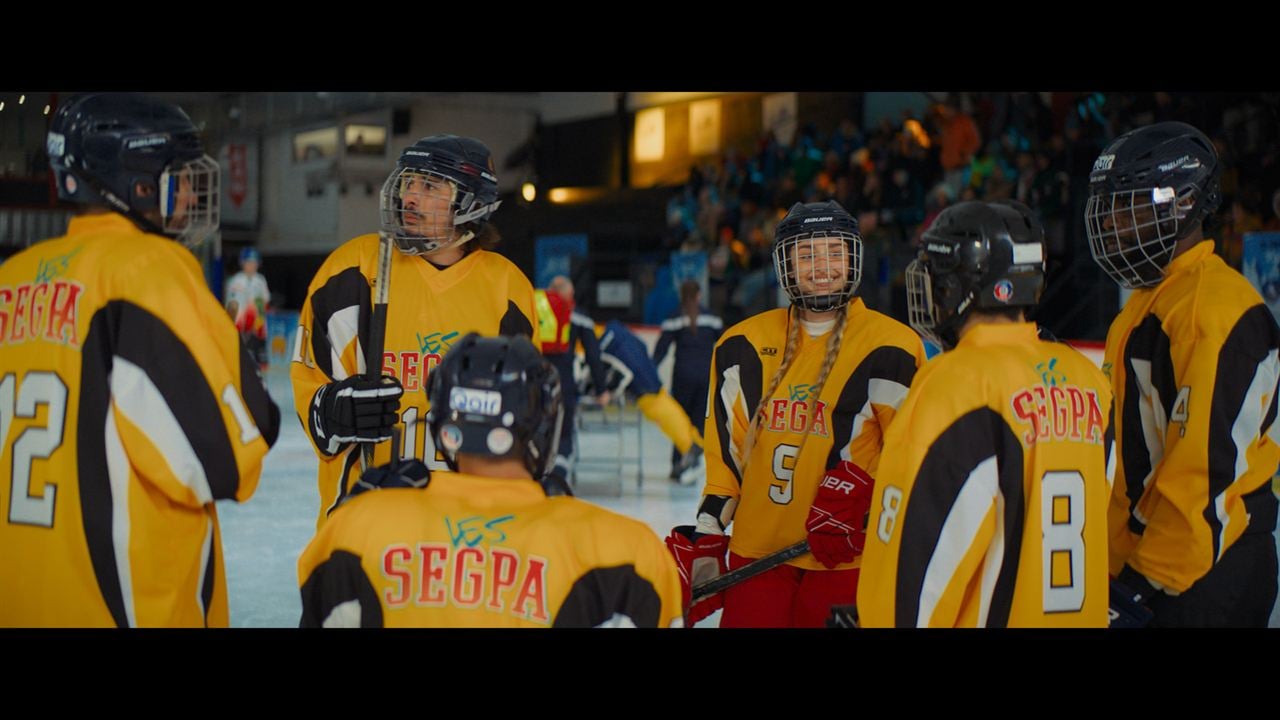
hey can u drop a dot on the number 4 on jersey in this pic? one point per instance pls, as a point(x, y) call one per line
point(1179, 413)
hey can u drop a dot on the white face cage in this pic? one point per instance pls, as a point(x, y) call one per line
point(821, 270)
point(189, 197)
point(1132, 233)
point(422, 209)
point(920, 308)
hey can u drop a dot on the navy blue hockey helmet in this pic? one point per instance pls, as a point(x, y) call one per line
point(137, 156)
point(975, 256)
point(1148, 190)
point(816, 272)
point(496, 396)
point(442, 192)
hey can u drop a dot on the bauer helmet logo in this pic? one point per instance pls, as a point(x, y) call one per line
point(147, 141)
point(827, 218)
point(1177, 163)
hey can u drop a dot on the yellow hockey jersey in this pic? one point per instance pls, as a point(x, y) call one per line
point(1193, 365)
point(428, 310)
point(989, 507)
point(471, 551)
point(877, 360)
point(127, 406)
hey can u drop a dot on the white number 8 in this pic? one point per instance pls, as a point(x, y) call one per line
point(1066, 536)
point(890, 502)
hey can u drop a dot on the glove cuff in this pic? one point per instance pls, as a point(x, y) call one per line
point(1140, 589)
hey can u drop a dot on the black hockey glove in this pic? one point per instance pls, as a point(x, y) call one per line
point(1129, 594)
point(411, 473)
point(359, 409)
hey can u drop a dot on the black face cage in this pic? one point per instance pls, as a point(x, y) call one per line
point(1132, 233)
point(810, 271)
point(921, 312)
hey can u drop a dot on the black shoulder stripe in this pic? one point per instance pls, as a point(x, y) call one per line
point(1150, 343)
point(91, 464)
point(265, 412)
point(348, 462)
point(146, 341)
point(887, 362)
point(514, 322)
point(738, 351)
point(210, 576)
point(969, 441)
point(345, 289)
point(602, 593)
point(335, 581)
point(1248, 344)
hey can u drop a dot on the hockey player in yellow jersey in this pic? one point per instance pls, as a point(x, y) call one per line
point(485, 546)
point(1192, 359)
point(992, 492)
point(800, 397)
point(127, 403)
point(444, 283)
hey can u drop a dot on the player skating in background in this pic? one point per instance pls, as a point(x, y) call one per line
point(246, 299)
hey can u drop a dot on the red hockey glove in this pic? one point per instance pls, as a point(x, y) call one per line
point(700, 558)
point(838, 518)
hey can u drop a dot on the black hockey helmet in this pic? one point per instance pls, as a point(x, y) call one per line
point(460, 170)
point(1149, 189)
point(976, 255)
point(496, 396)
point(137, 156)
point(803, 263)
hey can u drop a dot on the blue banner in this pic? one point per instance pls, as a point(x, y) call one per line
point(282, 326)
point(1262, 267)
point(552, 254)
point(689, 266)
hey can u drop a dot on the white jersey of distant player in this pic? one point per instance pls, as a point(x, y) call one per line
point(245, 290)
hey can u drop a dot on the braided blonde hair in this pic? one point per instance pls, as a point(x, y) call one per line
point(788, 357)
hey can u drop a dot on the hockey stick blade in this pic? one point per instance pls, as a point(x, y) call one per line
point(746, 572)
